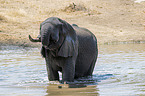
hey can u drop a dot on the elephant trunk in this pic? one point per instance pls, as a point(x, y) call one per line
point(45, 39)
point(38, 39)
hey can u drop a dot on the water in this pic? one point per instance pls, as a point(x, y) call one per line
point(120, 71)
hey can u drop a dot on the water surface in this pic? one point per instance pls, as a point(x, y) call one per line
point(120, 71)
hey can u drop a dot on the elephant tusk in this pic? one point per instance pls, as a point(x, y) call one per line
point(34, 40)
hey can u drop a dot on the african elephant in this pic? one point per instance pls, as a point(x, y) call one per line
point(67, 48)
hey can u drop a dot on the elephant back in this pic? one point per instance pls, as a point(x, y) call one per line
point(86, 39)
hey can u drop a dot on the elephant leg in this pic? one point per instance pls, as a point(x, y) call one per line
point(91, 69)
point(68, 70)
point(52, 74)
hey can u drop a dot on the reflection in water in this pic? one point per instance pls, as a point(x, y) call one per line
point(53, 90)
point(120, 71)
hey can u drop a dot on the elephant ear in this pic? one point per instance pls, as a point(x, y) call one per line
point(67, 49)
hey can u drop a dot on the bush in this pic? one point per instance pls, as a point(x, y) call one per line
point(73, 7)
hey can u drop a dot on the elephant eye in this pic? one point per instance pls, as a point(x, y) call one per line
point(54, 38)
point(54, 41)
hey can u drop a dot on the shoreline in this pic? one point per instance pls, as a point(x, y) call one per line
point(38, 45)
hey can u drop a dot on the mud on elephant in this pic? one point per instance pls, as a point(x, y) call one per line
point(67, 48)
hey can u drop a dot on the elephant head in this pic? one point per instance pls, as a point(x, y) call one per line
point(57, 36)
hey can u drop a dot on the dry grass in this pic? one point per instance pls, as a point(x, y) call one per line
point(110, 20)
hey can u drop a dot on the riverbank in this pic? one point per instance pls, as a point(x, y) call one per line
point(113, 21)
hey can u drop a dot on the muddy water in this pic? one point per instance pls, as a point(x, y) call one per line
point(120, 71)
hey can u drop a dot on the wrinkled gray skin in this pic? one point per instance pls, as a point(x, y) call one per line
point(69, 49)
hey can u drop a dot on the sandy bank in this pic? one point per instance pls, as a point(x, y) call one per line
point(112, 21)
